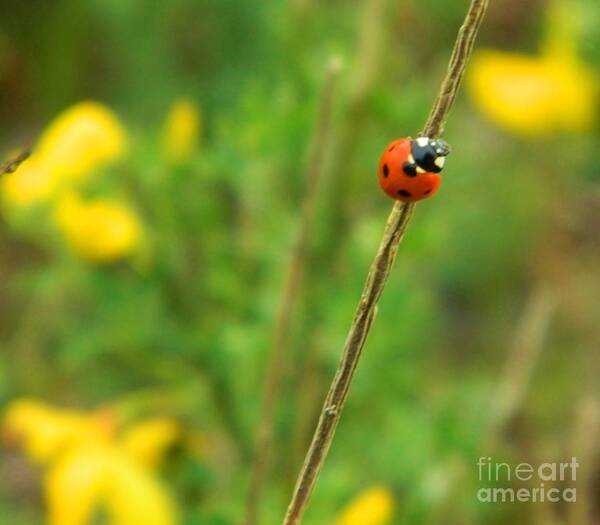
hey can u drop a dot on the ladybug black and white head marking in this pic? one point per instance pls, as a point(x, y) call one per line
point(428, 155)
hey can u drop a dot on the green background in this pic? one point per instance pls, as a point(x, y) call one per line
point(515, 225)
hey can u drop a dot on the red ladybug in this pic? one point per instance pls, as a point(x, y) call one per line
point(409, 168)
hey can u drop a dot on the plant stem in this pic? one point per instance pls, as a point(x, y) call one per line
point(292, 283)
point(337, 222)
point(522, 359)
point(377, 278)
point(13, 164)
point(583, 446)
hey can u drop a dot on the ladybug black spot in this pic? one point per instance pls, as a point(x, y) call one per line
point(386, 170)
point(392, 148)
point(427, 192)
point(404, 193)
point(410, 170)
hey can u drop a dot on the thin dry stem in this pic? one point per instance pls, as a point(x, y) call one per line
point(292, 283)
point(338, 218)
point(584, 447)
point(522, 359)
point(463, 47)
point(13, 164)
point(377, 278)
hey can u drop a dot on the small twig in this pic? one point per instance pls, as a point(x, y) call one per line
point(456, 69)
point(377, 278)
point(584, 446)
point(337, 220)
point(292, 283)
point(522, 359)
point(12, 165)
point(523, 356)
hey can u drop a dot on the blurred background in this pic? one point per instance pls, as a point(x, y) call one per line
point(145, 244)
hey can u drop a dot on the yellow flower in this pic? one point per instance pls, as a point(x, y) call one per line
point(32, 183)
point(182, 130)
point(135, 496)
point(148, 440)
point(89, 470)
point(83, 138)
point(372, 507)
point(99, 230)
point(96, 478)
point(538, 95)
point(45, 431)
point(75, 485)
point(533, 96)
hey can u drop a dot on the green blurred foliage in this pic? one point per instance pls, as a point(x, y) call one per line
point(189, 333)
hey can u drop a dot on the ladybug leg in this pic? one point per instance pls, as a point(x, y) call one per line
point(442, 148)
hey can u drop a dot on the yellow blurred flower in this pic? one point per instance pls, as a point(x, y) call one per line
point(45, 431)
point(97, 478)
point(32, 183)
point(537, 95)
point(100, 230)
point(75, 485)
point(148, 440)
point(182, 130)
point(373, 507)
point(533, 96)
point(90, 468)
point(82, 139)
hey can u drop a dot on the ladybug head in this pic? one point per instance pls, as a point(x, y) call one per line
point(429, 154)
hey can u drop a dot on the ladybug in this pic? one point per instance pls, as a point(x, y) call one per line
point(409, 168)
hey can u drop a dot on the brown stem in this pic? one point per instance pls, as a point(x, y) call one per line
point(377, 278)
point(584, 447)
point(13, 164)
point(522, 360)
point(465, 40)
point(292, 283)
point(336, 222)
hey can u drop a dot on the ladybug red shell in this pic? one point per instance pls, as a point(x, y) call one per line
point(409, 169)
